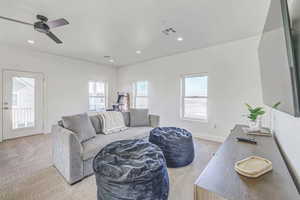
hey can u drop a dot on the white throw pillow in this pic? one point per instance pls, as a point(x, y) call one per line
point(112, 122)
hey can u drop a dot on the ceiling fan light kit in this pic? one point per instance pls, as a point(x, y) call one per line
point(43, 26)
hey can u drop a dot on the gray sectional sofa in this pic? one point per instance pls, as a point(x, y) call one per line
point(73, 159)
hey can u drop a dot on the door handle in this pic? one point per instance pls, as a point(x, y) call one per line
point(5, 104)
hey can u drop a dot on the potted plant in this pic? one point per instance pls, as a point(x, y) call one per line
point(255, 114)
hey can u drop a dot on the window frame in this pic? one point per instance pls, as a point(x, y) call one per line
point(99, 96)
point(135, 96)
point(182, 97)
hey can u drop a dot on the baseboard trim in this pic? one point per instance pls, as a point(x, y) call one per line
point(211, 138)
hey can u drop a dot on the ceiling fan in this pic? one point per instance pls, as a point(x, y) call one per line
point(43, 25)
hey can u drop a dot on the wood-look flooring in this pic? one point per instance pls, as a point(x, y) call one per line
point(26, 172)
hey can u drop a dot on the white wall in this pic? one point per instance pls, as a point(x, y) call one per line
point(66, 80)
point(234, 79)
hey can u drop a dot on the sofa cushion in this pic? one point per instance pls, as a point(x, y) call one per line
point(139, 117)
point(80, 125)
point(60, 123)
point(93, 146)
point(96, 122)
point(126, 116)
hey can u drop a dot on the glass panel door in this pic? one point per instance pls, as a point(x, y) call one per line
point(22, 104)
point(23, 97)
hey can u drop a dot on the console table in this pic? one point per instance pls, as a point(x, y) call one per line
point(219, 180)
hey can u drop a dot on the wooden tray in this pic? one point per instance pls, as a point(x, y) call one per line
point(253, 166)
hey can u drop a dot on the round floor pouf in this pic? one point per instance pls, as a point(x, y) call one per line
point(176, 144)
point(131, 170)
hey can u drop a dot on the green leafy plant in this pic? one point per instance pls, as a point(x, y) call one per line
point(254, 113)
point(276, 105)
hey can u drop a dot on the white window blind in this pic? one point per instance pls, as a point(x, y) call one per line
point(194, 97)
point(97, 95)
point(140, 92)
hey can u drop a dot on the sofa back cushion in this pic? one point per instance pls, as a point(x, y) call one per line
point(139, 117)
point(126, 116)
point(80, 125)
point(97, 124)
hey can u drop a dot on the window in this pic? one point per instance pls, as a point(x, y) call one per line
point(194, 97)
point(140, 93)
point(97, 95)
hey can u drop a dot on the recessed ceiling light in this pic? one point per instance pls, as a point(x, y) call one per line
point(138, 52)
point(179, 39)
point(30, 41)
point(111, 60)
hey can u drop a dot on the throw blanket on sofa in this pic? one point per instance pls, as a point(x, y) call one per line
point(112, 122)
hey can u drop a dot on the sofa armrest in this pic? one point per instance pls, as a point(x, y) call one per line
point(67, 154)
point(154, 120)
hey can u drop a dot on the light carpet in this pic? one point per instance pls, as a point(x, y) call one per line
point(26, 172)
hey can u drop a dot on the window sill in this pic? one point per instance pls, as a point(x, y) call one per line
point(96, 111)
point(195, 120)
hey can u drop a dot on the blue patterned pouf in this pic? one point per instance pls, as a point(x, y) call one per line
point(176, 143)
point(131, 170)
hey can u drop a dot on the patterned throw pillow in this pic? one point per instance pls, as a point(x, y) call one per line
point(112, 122)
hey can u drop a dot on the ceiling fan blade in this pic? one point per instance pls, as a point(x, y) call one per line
point(15, 20)
point(53, 37)
point(57, 23)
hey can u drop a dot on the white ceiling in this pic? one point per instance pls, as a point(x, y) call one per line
point(120, 27)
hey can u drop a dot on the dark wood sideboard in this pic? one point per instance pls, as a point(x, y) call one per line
point(219, 180)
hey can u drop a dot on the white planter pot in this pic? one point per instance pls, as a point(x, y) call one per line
point(255, 125)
